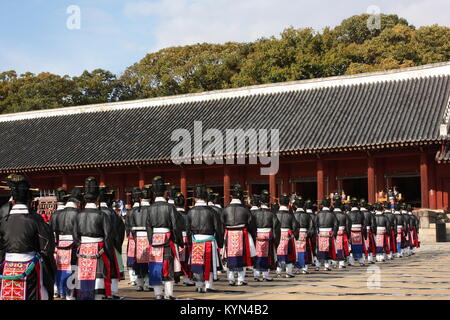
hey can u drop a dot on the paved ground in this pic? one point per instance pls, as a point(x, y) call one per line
point(425, 275)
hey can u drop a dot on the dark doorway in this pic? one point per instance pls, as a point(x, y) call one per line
point(355, 187)
point(258, 188)
point(308, 190)
point(409, 187)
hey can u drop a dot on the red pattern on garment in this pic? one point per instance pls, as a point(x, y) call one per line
point(87, 267)
point(143, 250)
point(157, 247)
point(235, 243)
point(356, 235)
point(300, 244)
point(131, 252)
point(14, 289)
point(64, 256)
point(263, 243)
point(198, 253)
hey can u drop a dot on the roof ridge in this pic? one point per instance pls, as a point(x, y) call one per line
point(429, 70)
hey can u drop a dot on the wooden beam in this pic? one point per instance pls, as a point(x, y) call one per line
point(371, 192)
point(273, 187)
point(432, 184)
point(320, 181)
point(332, 182)
point(183, 182)
point(424, 180)
point(226, 185)
point(141, 178)
point(64, 181)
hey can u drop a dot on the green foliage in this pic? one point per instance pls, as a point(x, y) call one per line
point(295, 54)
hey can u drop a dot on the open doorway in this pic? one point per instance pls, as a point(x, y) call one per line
point(409, 187)
point(306, 188)
point(354, 186)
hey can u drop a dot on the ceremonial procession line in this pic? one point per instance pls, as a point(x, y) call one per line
point(421, 276)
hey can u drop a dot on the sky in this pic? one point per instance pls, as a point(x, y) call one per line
point(50, 35)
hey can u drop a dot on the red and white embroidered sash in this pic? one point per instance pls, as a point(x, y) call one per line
point(131, 252)
point(143, 247)
point(14, 289)
point(263, 243)
point(284, 243)
point(87, 267)
point(235, 241)
point(324, 241)
point(64, 256)
point(381, 234)
point(356, 236)
point(300, 244)
point(157, 247)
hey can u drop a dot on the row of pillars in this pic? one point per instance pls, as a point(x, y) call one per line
point(428, 190)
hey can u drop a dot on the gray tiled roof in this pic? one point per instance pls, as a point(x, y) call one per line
point(313, 119)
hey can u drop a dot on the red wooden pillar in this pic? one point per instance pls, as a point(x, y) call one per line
point(64, 181)
point(141, 178)
point(380, 184)
point(424, 181)
point(183, 182)
point(439, 187)
point(102, 181)
point(332, 182)
point(432, 182)
point(226, 185)
point(286, 185)
point(320, 181)
point(273, 187)
point(371, 192)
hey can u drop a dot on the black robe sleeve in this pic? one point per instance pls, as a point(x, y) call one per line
point(276, 230)
point(218, 230)
point(176, 226)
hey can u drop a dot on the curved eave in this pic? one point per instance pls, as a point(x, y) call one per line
point(165, 161)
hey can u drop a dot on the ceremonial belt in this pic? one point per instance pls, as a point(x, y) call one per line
point(399, 227)
point(138, 228)
point(91, 256)
point(239, 226)
point(27, 272)
point(342, 228)
point(206, 238)
point(356, 225)
point(303, 230)
point(381, 228)
point(285, 229)
point(90, 239)
point(324, 229)
point(264, 230)
point(161, 230)
point(65, 237)
point(141, 234)
point(184, 233)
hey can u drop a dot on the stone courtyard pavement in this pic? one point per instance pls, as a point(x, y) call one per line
point(425, 275)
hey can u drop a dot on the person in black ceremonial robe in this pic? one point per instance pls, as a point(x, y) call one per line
point(164, 230)
point(204, 227)
point(66, 250)
point(139, 232)
point(27, 247)
point(286, 254)
point(328, 226)
point(117, 236)
point(306, 231)
point(267, 238)
point(136, 194)
point(239, 247)
point(93, 233)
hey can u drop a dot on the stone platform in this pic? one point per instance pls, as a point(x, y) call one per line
point(425, 275)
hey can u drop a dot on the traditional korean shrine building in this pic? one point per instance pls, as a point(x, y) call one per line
point(360, 133)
